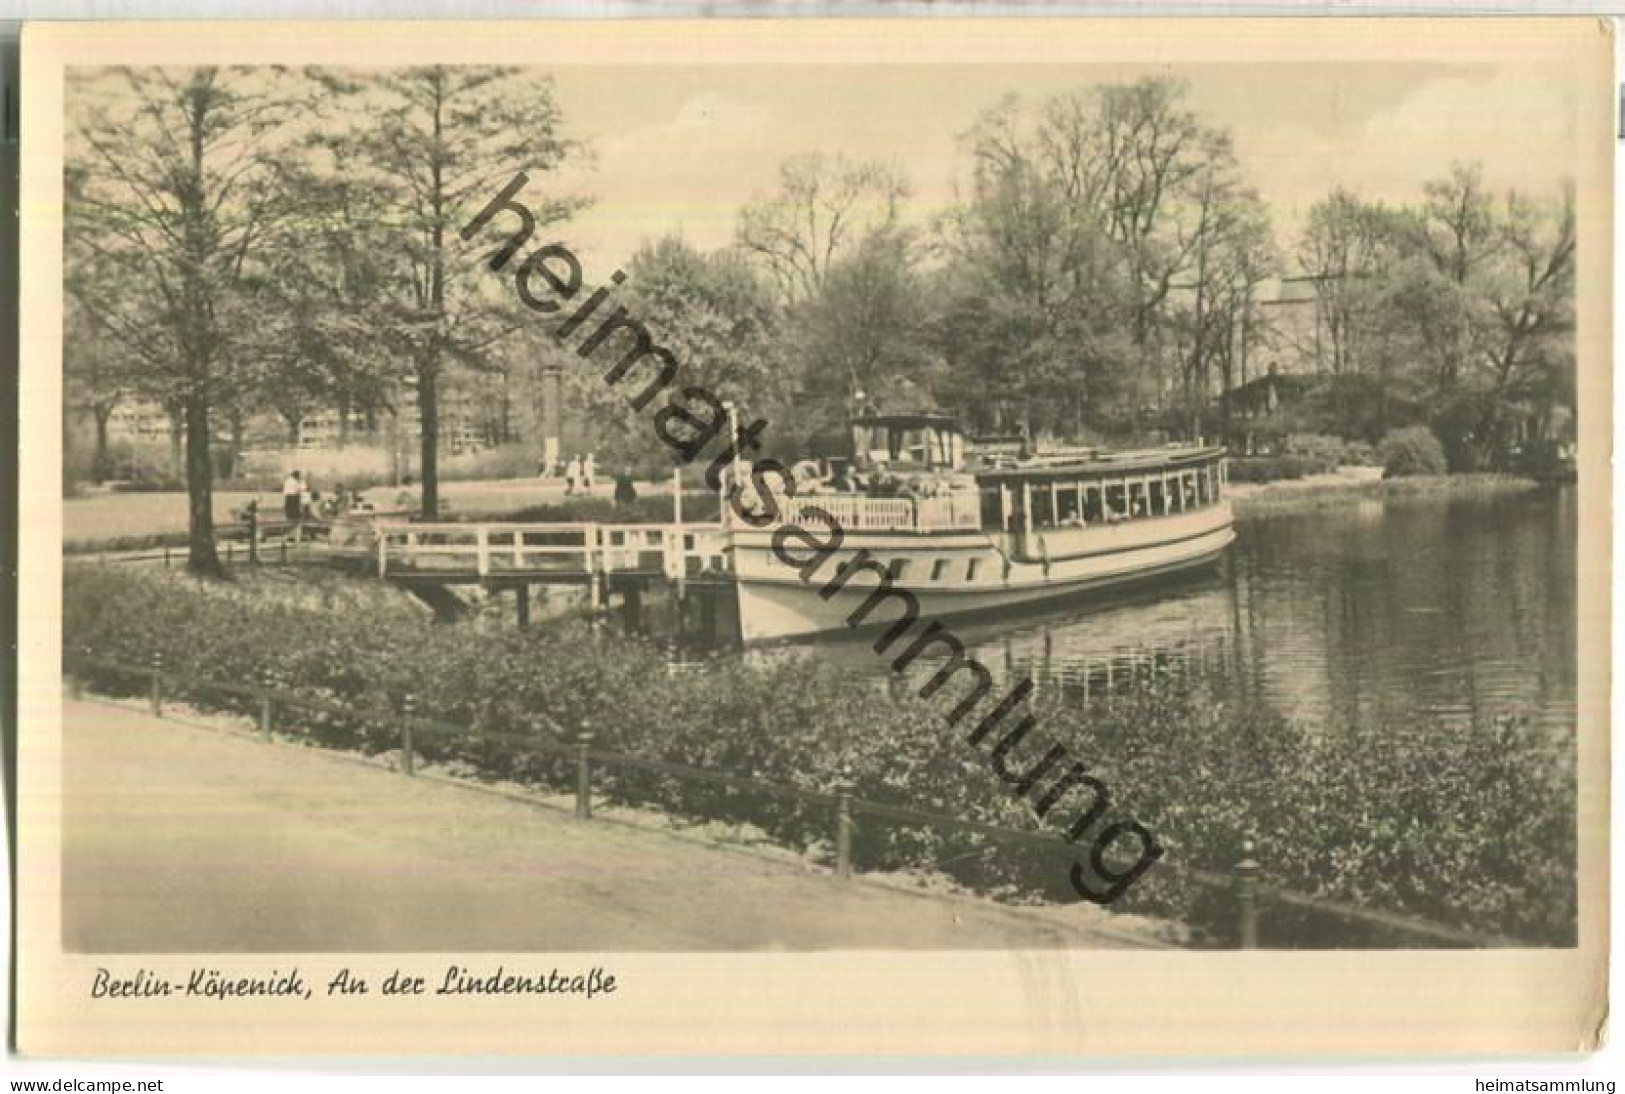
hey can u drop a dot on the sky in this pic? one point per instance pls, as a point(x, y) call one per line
point(679, 149)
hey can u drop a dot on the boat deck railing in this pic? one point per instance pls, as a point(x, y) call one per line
point(862, 513)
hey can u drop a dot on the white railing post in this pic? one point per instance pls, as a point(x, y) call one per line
point(383, 550)
point(482, 549)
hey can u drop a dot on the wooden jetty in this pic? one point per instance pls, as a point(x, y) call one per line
point(607, 559)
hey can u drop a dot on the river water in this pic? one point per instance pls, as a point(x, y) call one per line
point(1461, 609)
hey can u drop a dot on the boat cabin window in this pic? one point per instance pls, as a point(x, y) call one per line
point(991, 509)
point(1043, 505)
point(1136, 499)
point(1093, 508)
point(1116, 501)
point(1031, 504)
point(908, 441)
point(1066, 504)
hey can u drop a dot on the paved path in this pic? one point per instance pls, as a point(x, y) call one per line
point(182, 839)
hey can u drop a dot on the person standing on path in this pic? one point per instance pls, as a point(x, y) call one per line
point(292, 491)
point(588, 468)
point(626, 493)
point(572, 474)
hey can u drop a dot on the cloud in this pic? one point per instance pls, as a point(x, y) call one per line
point(683, 174)
point(1520, 122)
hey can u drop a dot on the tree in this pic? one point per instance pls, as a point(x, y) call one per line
point(824, 207)
point(1036, 304)
point(1219, 322)
point(97, 374)
point(719, 322)
point(1096, 218)
point(330, 341)
point(871, 330)
point(437, 143)
point(174, 190)
point(1457, 312)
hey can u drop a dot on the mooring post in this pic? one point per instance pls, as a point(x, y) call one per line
point(409, 708)
point(583, 775)
point(157, 685)
point(166, 556)
point(268, 679)
point(1247, 871)
point(253, 533)
point(521, 599)
point(843, 833)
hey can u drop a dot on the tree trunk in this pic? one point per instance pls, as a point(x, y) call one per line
point(177, 435)
point(429, 451)
point(234, 454)
point(201, 558)
point(98, 466)
point(428, 400)
point(296, 428)
point(344, 421)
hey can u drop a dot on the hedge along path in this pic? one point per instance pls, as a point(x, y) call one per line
point(181, 835)
point(1242, 882)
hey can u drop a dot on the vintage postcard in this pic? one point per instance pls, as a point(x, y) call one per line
point(954, 537)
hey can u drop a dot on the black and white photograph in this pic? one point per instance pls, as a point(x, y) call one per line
point(1065, 499)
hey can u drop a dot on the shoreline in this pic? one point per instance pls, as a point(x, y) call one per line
point(1365, 483)
point(1248, 499)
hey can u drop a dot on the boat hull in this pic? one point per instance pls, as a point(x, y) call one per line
point(958, 575)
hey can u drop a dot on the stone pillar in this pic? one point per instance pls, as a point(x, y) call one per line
point(552, 415)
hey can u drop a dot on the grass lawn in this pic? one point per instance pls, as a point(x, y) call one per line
point(99, 517)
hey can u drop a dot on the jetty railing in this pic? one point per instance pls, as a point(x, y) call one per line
point(495, 550)
point(250, 539)
point(1243, 883)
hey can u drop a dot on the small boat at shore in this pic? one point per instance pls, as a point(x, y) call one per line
point(968, 535)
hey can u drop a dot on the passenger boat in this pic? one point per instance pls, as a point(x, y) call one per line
point(968, 536)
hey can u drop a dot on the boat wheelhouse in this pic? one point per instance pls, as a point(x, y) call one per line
point(980, 534)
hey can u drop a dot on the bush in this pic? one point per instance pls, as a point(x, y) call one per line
point(1331, 452)
point(1404, 817)
point(510, 461)
point(1315, 446)
point(1265, 469)
point(142, 467)
point(1411, 451)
